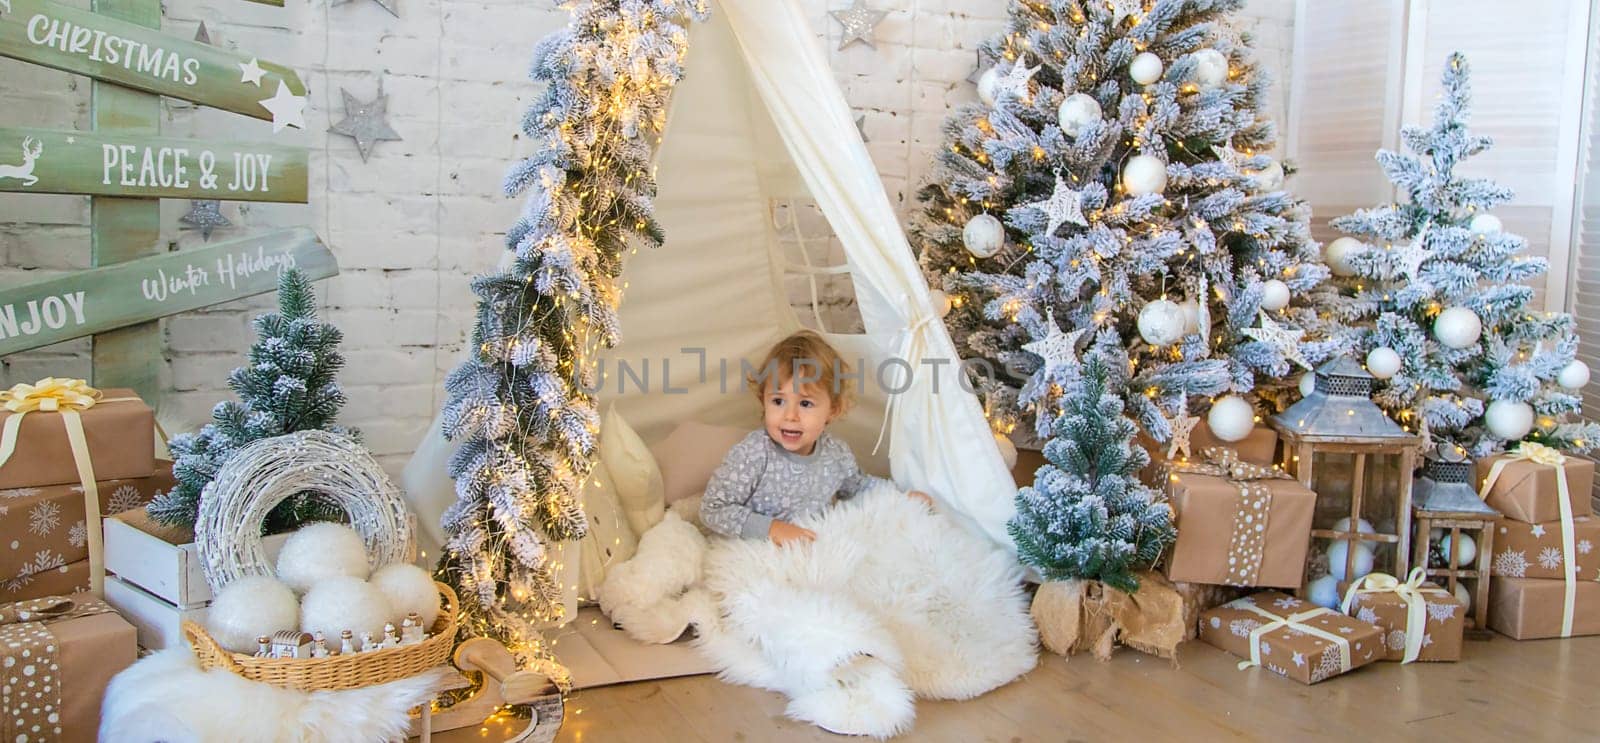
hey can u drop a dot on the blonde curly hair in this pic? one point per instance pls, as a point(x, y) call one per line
point(804, 357)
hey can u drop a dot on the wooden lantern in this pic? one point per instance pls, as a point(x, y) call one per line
point(1338, 425)
point(1446, 500)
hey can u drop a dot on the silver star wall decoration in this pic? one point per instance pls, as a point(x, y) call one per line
point(393, 6)
point(205, 215)
point(858, 21)
point(1064, 205)
point(365, 121)
point(1059, 350)
point(1286, 341)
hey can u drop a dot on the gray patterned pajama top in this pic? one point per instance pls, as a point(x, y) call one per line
point(760, 481)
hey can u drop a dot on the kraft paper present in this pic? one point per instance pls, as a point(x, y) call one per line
point(1526, 490)
point(72, 660)
point(1260, 447)
point(1531, 608)
point(1523, 550)
point(47, 577)
point(44, 526)
point(1442, 618)
point(1258, 538)
point(1290, 637)
point(119, 431)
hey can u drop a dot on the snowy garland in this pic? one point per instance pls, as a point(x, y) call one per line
point(520, 408)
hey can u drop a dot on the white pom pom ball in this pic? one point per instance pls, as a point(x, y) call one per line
point(1509, 420)
point(983, 235)
point(1457, 327)
point(344, 603)
point(1383, 362)
point(1308, 384)
point(320, 551)
point(1161, 323)
point(408, 589)
point(1363, 526)
point(1145, 68)
point(1336, 559)
point(988, 84)
point(1337, 255)
point(249, 608)
point(1210, 68)
point(1008, 450)
point(1274, 295)
point(1466, 549)
point(1269, 178)
point(1077, 112)
point(1485, 224)
point(1231, 418)
point(940, 302)
point(1144, 174)
point(1573, 376)
point(1324, 592)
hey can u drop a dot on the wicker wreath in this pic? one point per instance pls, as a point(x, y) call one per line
point(267, 472)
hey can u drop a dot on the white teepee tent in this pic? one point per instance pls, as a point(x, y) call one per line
point(759, 119)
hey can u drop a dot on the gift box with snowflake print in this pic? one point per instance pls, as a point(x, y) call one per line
point(1441, 627)
point(1523, 550)
point(1534, 608)
point(1529, 491)
point(44, 540)
point(1291, 637)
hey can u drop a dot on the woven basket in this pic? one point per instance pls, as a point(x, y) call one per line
point(338, 671)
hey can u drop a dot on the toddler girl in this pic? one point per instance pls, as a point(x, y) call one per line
point(791, 467)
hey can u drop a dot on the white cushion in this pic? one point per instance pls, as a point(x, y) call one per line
point(633, 469)
point(610, 539)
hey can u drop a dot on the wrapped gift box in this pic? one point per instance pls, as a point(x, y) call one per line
point(1257, 537)
point(1531, 608)
point(45, 526)
point(1523, 550)
point(119, 431)
point(1198, 597)
point(1260, 447)
point(1443, 621)
point(1527, 491)
point(75, 645)
point(1306, 644)
point(47, 577)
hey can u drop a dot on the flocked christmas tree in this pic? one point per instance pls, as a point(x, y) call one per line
point(1088, 516)
point(1115, 184)
point(1432, 293)
point(290, 384)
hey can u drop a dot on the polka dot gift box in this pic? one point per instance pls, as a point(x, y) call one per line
point(1239, 524)
point(57, 654)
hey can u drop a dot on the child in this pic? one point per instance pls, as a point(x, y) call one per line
point(791, 467)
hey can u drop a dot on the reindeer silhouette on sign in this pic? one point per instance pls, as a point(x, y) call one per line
point(31, 149)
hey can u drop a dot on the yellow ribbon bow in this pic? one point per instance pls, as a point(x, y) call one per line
point(1550, 457)
point(1409, 591)
point(1223, 461)
point(50, 395)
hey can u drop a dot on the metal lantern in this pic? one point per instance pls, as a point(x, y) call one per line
point(1446, 500)
point(1340, 444)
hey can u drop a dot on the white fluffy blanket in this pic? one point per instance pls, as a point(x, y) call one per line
point(890, 603)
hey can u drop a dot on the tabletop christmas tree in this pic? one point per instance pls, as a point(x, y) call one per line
point(289, 385)
point(1114, 188)
point(1431, 295)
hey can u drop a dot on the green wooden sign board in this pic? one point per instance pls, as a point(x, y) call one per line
point(144, 289)
point(116, 51)
point(109, 163)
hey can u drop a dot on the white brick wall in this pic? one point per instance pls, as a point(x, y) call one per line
point(412, 225)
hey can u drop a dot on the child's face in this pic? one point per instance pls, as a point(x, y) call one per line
point(795, 418)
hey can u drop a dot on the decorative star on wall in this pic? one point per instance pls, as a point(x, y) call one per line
point(365, 122)
point(205, 215)
point(251, 72)
point(1286, 341)
point(1064, 205)
point(202, 35)
point(1059, 350)
point(287, 109)
point(858, 21)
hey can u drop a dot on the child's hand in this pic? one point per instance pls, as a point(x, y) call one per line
point(783, 532)
point(921, 496)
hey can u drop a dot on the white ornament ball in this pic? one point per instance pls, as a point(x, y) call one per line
point(1008, 450)
point(1383, 362)
point(344, 603)
point(319, 551)
point(1363, 526)
point(1161, 323)
point(408, 589)
point(1457, 327)
point(983, 235)
point(1338, 253)
point(1210, 69)
point(1308, 384)
point(940, 302)
point(1269, 178)
point(1144, 174)
point(988, 85)
point(1336, 559)
point(1464, 596)
point(1509, 420)
point(1485, 224)
point(1145, 68)
point(1465, 550)
point(1191, 316)
point(1274, 295)
point(1231, 418)
point(249, 608)
point(1077, 112)
point(1573, 376)
point(1324, 592)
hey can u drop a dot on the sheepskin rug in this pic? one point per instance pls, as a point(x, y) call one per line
point(890, 603)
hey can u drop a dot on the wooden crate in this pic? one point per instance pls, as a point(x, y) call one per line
point(155, 621)
point(163, 561)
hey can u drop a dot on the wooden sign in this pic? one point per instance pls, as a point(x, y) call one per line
point(112, 164)
point(99, 299)
point(116, 51)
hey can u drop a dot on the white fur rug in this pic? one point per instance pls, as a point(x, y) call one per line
point(889, 604)
point(166, 697)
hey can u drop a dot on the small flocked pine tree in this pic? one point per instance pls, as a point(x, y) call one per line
point(1117, 179)
point(288, 385)
point(1432, 295)
point(1087, 515)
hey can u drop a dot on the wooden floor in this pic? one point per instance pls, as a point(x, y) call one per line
point(1504, 691)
